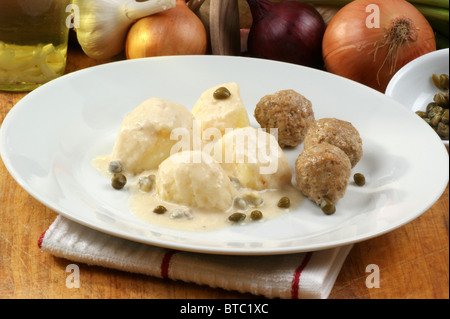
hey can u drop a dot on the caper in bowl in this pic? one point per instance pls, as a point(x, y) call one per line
point(422, 86)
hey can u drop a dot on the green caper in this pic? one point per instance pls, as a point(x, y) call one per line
point(435, 111)
point(256, 215)
point(422, 114)
point(118, 181)
point(359, 179)
point(115, 167)
point(160, 210)
point(442, 130)
point(443, 81)
point(284, 202)
point(430, 106)
point(436, 80)
point(445, 103)
point(444, 118)
point(436, 120)
point(439, 98)
point(146, 183)
point(221, 93)
point(237, 217)
point(327, 206)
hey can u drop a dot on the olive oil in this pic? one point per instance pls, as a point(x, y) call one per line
point(33, 42)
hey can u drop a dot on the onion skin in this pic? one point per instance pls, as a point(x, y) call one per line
point(352, 50)
point(176, 31)
point(286, 31)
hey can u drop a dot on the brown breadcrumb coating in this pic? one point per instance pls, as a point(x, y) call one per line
point(288, 111)
point(338, 133)
point(323, 170)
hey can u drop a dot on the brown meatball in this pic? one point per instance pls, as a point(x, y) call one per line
point(338, 133)
point(323, 170)
point(288, 111)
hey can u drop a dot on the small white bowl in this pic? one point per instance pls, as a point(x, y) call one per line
point(412, 85)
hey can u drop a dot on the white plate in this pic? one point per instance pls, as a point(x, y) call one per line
point(49, 138)
point(412, 85)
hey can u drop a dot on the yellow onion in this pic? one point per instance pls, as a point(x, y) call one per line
point(176, 31)
point(368, 41)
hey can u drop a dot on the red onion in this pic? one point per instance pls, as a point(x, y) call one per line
point(286, 31)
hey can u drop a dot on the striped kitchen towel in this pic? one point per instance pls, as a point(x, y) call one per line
point(302, 275)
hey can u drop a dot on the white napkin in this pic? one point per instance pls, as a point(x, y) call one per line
point(301, 275)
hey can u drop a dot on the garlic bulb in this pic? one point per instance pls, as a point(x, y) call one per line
point(103, 24)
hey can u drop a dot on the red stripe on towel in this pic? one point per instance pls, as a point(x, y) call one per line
point(165, 263)
point(41, 239)
point(297, 273)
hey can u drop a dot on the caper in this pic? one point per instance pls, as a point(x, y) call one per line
point(445, 103)
point(237, 217)
point(439, 98)
point(443, 81)
point(160, 210)
point(442, 130)
point(284, 202)
point(435, 111)
point(118, 181)
point(115, 167)
point(422, 114)
point(221, 93)
point(436, 80)
point(436, 120)
point(327, 206)
point(146, 183)
point(359, 179)
point(256, 215)
point(430, 106)
point(444, 118)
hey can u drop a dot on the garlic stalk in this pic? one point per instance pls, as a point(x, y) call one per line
point(103, 24)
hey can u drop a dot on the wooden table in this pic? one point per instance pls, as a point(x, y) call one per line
point(413, 260)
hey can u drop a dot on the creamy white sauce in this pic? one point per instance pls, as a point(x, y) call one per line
point(197, 219)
